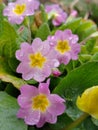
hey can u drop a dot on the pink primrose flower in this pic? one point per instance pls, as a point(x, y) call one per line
point(54, 11)
point(38, 106)
point(16, 11)
point(65, 44)
point(37, 60)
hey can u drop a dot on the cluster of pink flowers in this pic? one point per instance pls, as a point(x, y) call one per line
point(39, 60)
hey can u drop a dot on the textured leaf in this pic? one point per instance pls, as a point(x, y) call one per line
point(73, 25)
point(95, 57)
point(90, 44)
point(61, 123)
point(43, 31)
point(7, 40)
point(85, 29)
point(43, 14)
point(89, 125)
point(75, 83)
point(7, 76)
point(8, 111)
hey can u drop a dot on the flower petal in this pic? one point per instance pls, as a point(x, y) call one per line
point(32, 118)
point(44, 87)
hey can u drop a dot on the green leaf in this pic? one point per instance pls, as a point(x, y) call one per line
point(31, 128)
point(95, 121)
point(7, 76)
point(89, 125)
point(11, 90)
point(8, 43)
point(1, 18)
point(43, 31)
point(8, 111)
point(13, 63)
point(61, 123)
point(43, 14)
point(95, 57)
point(75, 83)
point(90, 44)
point(85, 29)
point(83, 58)
point(73, 25)
point(95, 34)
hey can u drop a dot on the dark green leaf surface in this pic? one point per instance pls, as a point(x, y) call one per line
point(43, 31)
point(8, 44)
point(8, 111)
point(75, 83)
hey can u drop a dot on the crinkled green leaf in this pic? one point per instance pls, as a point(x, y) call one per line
point(43, 14)
point(83, 58)
point(13, 63)
point(7, 76)
point(85, 29)
point(90, 44)
point(95, 57)
point(1, 18)
point(73, 25)
point(95, 121)
point(7, 40)
point(43, 31)
point(8, 111)
point(89, 125)
point(75, 83)
point(61, 123)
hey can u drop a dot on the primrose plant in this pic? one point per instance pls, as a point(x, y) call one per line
point(48, 58)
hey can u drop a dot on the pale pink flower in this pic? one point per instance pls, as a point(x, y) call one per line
point(38, 106)
point(37, 60)
point(57, 14)
point(65, 45)
point(16, 11)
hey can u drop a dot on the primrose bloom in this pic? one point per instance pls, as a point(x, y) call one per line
point(54, 11)
point(16, 11)
point(38, 106)
point(37, 60)
point(65, 44)
point(88, 102)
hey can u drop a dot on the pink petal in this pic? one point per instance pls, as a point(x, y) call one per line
point(51, 118)
point(24, 102)
point(22, 113)
point(44, 88)
point(28, 90)
point(32, 118)
point(57, 106)
point(41, 121)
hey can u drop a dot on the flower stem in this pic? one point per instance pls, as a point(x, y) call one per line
point(77, 122)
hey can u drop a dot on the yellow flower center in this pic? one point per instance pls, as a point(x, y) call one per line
point(19, 9)
point(63, 46)
point(37, 60)
point(40, 102)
